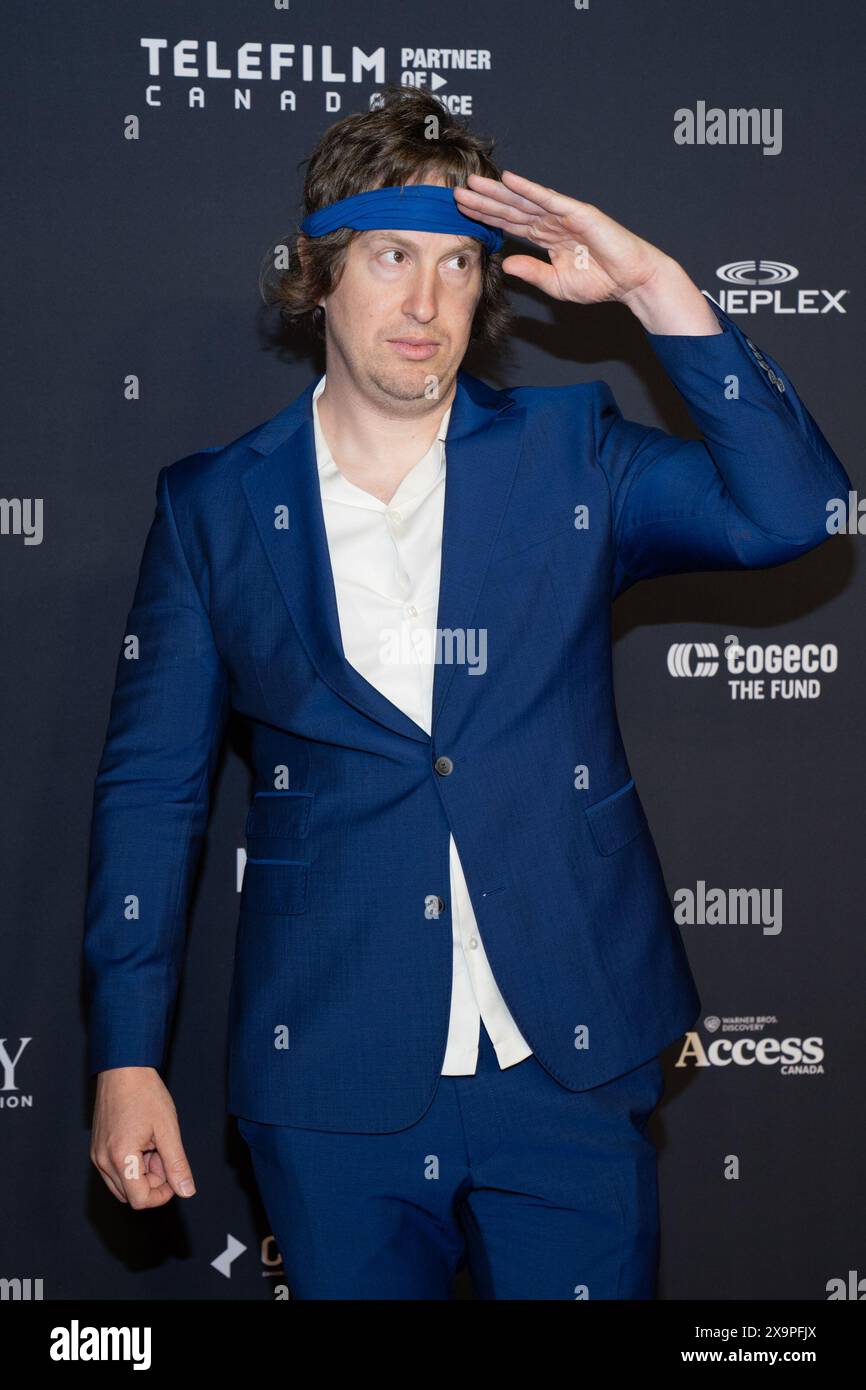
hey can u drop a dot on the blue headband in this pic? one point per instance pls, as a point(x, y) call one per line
point(425, 207)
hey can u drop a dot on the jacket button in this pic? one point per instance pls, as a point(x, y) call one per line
point(443, 766)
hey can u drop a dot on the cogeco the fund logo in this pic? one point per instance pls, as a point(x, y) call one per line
point(758, 670)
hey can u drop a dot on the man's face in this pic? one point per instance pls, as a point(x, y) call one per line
point(402, 311)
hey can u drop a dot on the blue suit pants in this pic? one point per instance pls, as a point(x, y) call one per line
point(545, 1193)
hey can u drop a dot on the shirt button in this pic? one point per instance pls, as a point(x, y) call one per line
point(473, 943)
point(411, 610)
point(443, 766)
point(394, 516)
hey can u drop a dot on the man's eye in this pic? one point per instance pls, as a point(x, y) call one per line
point(461, 256)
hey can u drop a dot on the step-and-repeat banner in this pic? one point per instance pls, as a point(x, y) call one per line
point(154, 156)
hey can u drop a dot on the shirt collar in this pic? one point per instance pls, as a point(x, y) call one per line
point(419, 481)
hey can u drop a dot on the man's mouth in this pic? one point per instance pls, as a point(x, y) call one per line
point(417, 348)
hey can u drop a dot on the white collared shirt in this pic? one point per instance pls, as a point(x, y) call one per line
point(386, 558)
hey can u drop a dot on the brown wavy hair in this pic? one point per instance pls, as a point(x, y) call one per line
point(409, 137)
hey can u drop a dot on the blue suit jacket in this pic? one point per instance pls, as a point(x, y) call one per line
point(340, 997)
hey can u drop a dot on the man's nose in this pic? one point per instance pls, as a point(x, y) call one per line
point(421, 299)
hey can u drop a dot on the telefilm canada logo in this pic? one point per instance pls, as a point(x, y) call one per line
point(761, 286)
point(727, 1047)
point(760, 670)
point(190, 72)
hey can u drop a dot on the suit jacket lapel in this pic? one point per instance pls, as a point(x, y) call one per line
point(482, 450)
point(481, 457)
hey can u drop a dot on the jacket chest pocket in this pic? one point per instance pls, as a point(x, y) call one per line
point(616, 819)
point(276, 873)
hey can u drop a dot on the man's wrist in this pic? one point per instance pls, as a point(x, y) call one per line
point(109, 1071)
point(671, 303)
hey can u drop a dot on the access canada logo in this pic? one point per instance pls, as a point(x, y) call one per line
point(726, 1046)
point(762, 285)
point(759, 671)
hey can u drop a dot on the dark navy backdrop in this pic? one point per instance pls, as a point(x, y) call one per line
point(136, 225)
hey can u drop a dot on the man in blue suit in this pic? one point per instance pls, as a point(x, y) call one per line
point(456, 960)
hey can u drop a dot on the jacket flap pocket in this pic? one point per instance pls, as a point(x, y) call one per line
point(616, 819)
point(280, 814)
point(275, 885)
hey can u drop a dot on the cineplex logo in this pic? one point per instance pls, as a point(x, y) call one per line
point(758, 286)
point(760, 671)
point(791, 1056)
